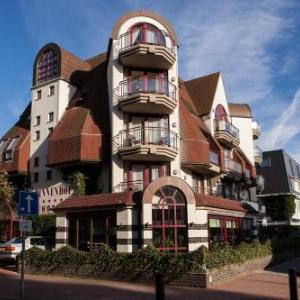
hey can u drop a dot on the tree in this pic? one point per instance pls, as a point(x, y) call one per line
point(78, 184)
point(280, 207)
point(7, 190)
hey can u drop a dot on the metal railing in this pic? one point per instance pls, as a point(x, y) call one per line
point(147, 84)
point(233, 166)
point(150, 36)
point(146, 136)
point(214, 158)
point(256, 125)
point(134, 185)
point(223, 125)
point(260, 181)
point(217, 193)
point(258, 152)
point(247, 173)
point(207, 191)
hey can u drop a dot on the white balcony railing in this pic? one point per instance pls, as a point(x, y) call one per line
point(233, 166)
point(224, 125)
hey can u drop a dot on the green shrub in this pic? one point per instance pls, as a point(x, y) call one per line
point(104, 259)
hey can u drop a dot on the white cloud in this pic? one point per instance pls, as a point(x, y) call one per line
point(238, 38)
point(285, 127)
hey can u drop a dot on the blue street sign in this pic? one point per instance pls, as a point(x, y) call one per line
point(28, 203)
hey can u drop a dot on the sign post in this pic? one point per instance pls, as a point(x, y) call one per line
point(28, 205)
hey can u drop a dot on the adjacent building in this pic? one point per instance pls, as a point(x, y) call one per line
point(165, 161)
point(282, 177)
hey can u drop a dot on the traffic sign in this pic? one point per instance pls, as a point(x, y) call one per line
point(25, 225)
point(28, 203)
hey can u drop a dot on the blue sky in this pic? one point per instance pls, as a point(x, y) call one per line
point(255, 44)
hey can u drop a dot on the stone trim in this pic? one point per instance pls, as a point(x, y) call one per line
point(144, 13)
point(61, 241)
point(134, 227)
point(128, 241)
point(195, 240)
point(155, 185)
point(198, 226)
point(61, 229)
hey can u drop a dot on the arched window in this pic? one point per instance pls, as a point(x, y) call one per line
point(144, 33)
point(169, 220)
point(47, 65)
point(220, 113)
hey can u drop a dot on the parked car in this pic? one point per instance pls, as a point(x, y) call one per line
point(11, 249)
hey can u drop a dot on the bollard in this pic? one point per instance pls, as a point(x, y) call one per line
point(293, 284)
point(159, 286)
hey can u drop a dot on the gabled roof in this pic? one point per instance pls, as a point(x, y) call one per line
point(202, 90)
point(96, 201)
point(240, 110)
point(194, 145)
point(221, 203)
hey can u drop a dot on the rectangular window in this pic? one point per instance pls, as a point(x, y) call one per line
point(38, 95)
point(37, 135)
point(50, 117)
point(37, 121)
point(50, 130)
point(8, 155)
point(51, 90)
point(266, 163)
point(36, 177)
point(36, 162)
point(49, 175)
point(2, 145)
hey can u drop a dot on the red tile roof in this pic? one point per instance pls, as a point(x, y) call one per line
point(20, 155)
point(76, 138)
point(239, 110)
point(97, 201)
point(221, 203)
point(202, 90)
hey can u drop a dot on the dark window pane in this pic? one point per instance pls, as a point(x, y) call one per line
point(157, 237)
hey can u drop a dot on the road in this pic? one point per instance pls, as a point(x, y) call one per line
point(262, 285)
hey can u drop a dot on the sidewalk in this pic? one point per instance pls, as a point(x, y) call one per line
point(265, 285)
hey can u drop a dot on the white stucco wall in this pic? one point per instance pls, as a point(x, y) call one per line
point(53, 191)
point(115, 76)
point(246, 136)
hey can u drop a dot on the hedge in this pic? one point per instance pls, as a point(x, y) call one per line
point(104, 259)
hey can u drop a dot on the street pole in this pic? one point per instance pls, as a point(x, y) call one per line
point(293, 284)
point(22, 265)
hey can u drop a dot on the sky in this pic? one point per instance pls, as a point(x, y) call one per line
point(255, 44)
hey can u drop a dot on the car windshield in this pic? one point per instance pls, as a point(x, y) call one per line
point(16, 240)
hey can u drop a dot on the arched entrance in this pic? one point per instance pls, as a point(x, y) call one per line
point(169, 217)
point(168, 208)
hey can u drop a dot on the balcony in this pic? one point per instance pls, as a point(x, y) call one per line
point(260, 183)
point(258, 157)
point(233, 168)
point(226, 133)
point(207, 191)
point(147, 48)
point(147, 144)
point(125, 186)
point(147, 94)
point(214, 162)
point(247, 176)
point(256, 130)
